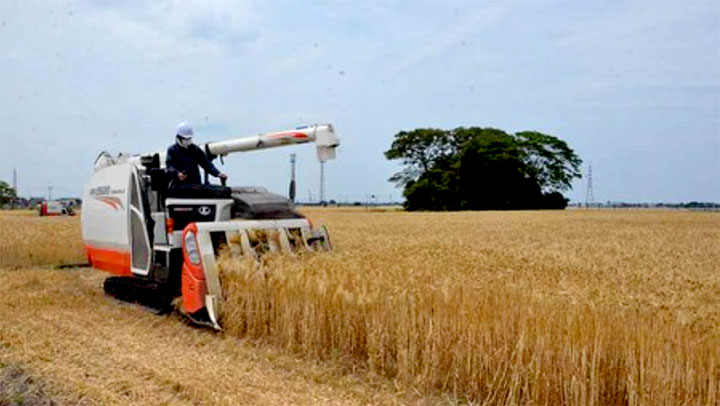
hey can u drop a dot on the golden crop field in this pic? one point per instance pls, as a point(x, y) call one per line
point(571, 307)
point(29, 239)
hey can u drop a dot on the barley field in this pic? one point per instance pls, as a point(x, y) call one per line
point(29, 239)
point(571, 307)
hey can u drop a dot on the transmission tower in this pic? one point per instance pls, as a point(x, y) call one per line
point(589, 195)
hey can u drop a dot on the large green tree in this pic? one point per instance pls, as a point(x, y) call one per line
point(7, 193)
point(482, 168)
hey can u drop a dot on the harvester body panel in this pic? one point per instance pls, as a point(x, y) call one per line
point(105, 219)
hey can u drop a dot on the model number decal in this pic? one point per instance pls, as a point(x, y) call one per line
point(104, 194)
point(105, 191)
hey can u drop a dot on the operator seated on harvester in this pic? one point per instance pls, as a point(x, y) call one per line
point(183, 159)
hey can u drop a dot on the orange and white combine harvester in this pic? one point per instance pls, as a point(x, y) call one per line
point(162, 242)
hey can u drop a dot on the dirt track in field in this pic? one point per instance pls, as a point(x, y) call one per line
point(88, 349)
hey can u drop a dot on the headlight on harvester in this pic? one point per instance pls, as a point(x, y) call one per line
point(191, 248)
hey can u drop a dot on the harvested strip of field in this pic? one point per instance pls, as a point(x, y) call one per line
point(30, 240)
point(93, 350)
point(551, 308)
point(18, 389)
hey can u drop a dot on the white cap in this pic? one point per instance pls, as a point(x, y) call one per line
point(184, 130)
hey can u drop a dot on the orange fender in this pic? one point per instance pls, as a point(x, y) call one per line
point(193, 286)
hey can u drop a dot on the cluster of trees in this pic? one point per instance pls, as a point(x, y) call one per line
point(482, 169)
point(7, 193)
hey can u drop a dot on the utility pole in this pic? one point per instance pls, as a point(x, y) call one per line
point(291, 193)
point(50, 192)
point(15, 182)
point(589, 195)
point(322, 182)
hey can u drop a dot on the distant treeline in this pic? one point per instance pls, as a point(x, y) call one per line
point(689, 205)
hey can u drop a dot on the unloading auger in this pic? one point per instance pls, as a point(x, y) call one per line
point(163, 242)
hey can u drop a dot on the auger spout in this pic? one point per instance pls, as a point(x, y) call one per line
point(323, 135)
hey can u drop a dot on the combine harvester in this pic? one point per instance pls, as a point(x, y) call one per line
point(55, 208)
point(163, 242)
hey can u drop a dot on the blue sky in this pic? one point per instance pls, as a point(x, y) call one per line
point(632, 86)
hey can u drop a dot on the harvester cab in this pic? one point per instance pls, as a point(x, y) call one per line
point(162, 242)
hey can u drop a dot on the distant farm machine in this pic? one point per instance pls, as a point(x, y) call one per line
point(55, 208)
point(162, 242)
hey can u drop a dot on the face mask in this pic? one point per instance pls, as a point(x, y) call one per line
point(184, 142)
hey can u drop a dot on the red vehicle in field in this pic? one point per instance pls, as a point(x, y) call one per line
point(55, 208)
